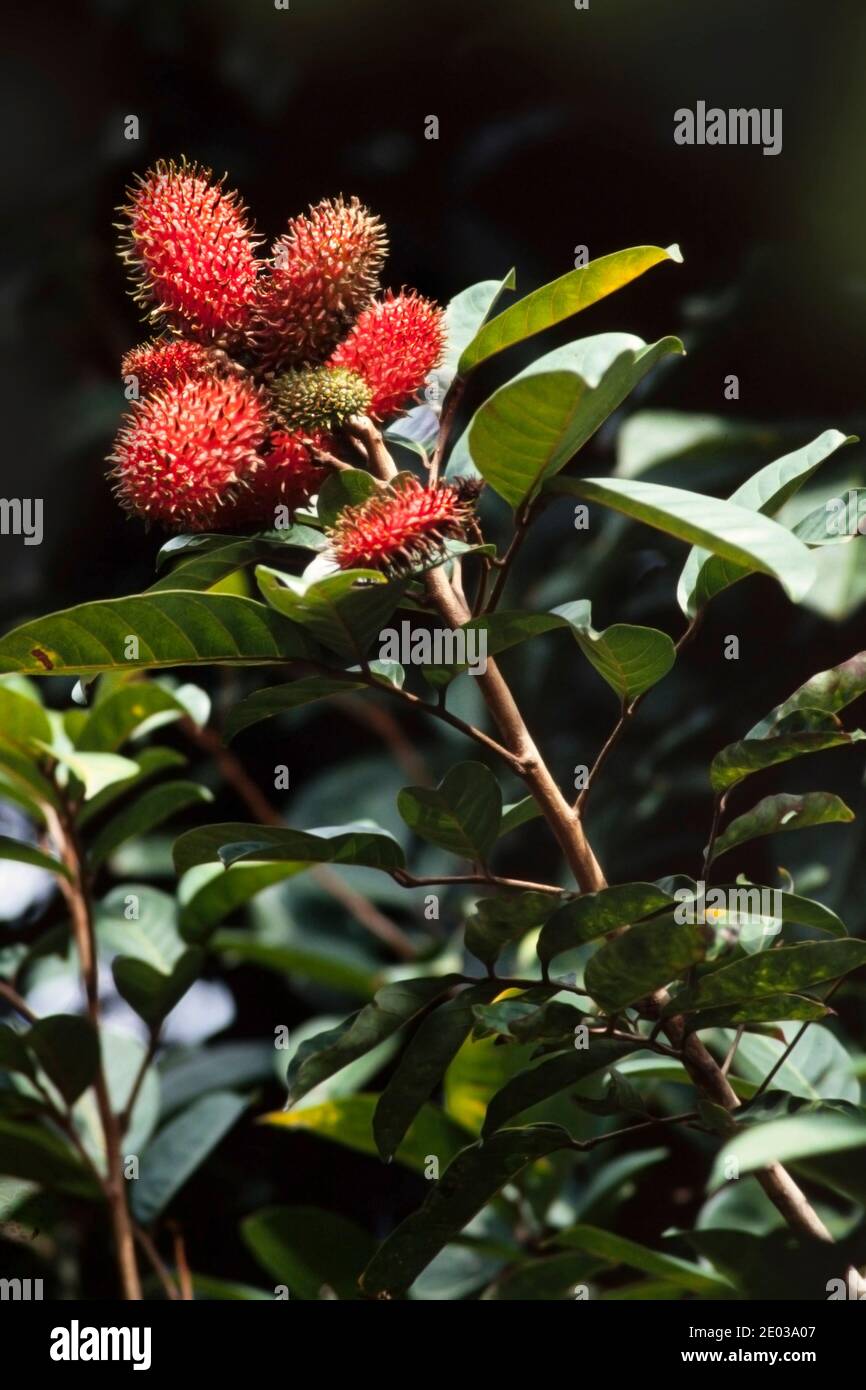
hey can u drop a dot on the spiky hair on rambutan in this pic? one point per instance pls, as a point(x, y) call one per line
point(288, 477)
point(323, 271)
point(401, 529)
point(191, 252)
point(320, 398)
point(164, 361)
point(394, 345)
point(184, 453)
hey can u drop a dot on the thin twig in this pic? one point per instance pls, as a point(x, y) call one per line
point(19, 1004)
point(160, 1268)
point(407, 880)
point(184, 1278)
point(450, 406)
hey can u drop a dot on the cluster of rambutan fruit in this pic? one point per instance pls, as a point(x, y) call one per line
point(261, 362)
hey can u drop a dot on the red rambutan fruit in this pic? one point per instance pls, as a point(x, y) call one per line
point(184, 453)
point(288, 477)
point(323, 272)
point(191, 252)
point(395, 343)
point(163, 361)
point(400, 529)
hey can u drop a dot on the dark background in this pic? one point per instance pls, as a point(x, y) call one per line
point(555, 130)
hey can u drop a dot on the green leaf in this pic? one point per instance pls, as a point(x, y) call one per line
point(200, 542)
point(461, 815)
point(151, 993)
point(498, 921)
point(530, 428)
point(324, 965)
point(736, 534)
point(739, 760)
point(115, 719)
point(179, 1149)
point(348, 1120)
point(26, 854)
point(468, 1184)
point(618, 1250)
point(783, 811)
point(343, 611)
point(706, 575)
point(209, 893)
point(784, 970)
point(135, 919)
point(772, 1008)
point(423, 1064)
point(643, 959)
point(551, 1075)
point(818, 1068)
point(828, 692)
point(149, 763)
point(95, 771)
point(123, 1058)
point(393, 1006)
point(67, 1048)
point(363, 843)
point(595, 914)
point(152, 808)
point(276, 699)
point(187, 1075)
point(464, 316)
point(517, 814)
point(576, 290)
point(172, 629)
point(13, 1052)
point(553, 1278)
point(815, 1129)
point(23, 721)
point(631, 659)
point(205, 570)
point(27, 1151)
point(305, 1248)
point(343, 489)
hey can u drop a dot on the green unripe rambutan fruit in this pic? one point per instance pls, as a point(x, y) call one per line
point(320, 398)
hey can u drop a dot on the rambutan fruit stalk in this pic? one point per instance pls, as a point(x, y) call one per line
point(184, 453)
point(191, 252)
point(394, 345)
point(400, 529)
point(164, 361)
point(320, 398)
point(323, 271)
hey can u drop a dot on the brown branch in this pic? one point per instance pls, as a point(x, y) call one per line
point(76, 892)
point(20, 1005)
point(184, 1278)
point(407, 880)
point(567, 827)
point(160, 1268)
point(450, 406)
